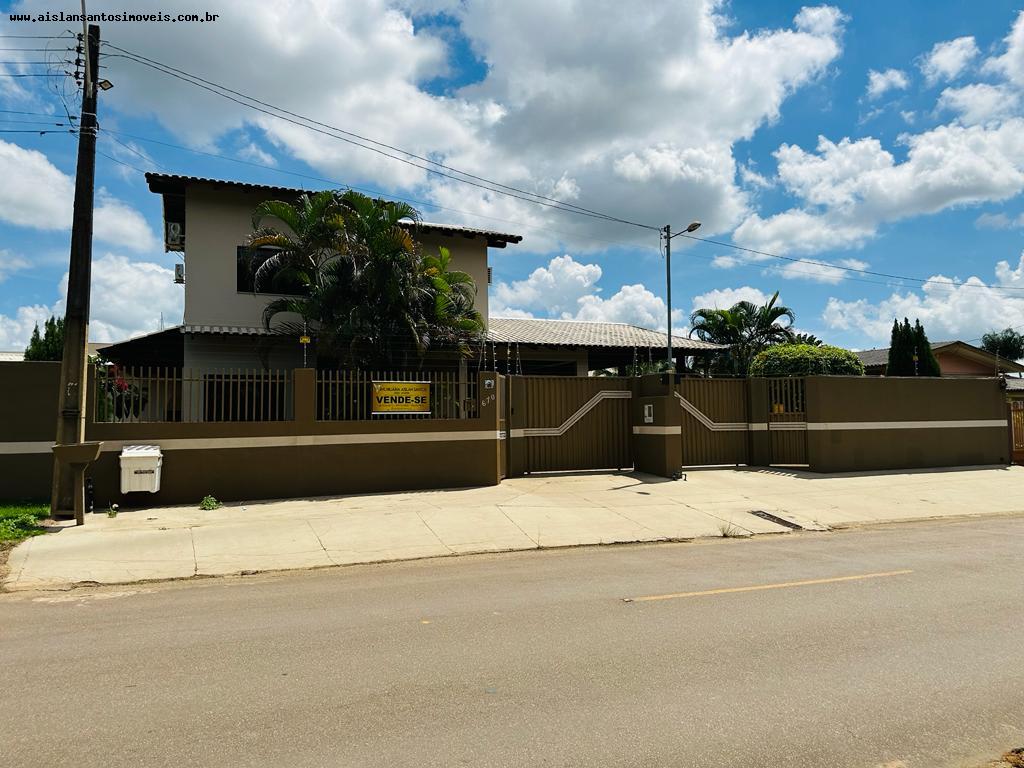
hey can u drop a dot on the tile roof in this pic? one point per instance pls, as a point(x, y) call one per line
point(578, 333)
point(877, 358)
point(11, 356)
point(874, 357)
point(1014, 384)
point(165, 183)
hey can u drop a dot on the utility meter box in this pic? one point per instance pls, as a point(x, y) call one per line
point(140, 468)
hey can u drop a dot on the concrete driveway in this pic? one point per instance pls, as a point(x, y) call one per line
point(522, 513)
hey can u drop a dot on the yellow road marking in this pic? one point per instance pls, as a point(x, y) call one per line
point(759, 587)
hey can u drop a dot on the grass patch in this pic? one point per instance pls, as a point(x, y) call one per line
point(19, 521)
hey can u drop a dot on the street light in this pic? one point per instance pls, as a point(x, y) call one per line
point(667, 234)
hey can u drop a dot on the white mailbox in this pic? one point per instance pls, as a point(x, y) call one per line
point(140, 468)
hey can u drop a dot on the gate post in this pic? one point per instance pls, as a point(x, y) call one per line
point(760, 441)
point(657, 427)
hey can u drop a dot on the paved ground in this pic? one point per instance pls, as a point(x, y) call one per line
point(534, 659)
point(524, 513)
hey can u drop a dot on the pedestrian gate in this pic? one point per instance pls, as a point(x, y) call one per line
point(568, 422)
point(717, 427)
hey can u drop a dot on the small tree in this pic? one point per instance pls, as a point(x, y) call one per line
point(1007, 344)
point(901, 350)
point(927, 365)
point(50, 345)
point(806, 360)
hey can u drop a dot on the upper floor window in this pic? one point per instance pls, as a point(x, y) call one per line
point(280, 283)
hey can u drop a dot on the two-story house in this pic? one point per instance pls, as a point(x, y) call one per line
point(208, 222)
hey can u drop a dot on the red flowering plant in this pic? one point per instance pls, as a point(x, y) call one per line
point(118, 398)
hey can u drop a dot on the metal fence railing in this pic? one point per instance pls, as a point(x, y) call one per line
point(347, 395)
point(148, 394)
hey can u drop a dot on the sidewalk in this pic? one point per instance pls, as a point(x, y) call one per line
point(522, 513)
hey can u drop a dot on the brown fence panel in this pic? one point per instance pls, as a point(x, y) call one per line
point(572, 422)
point(714, 421)
point(1017, 422)
point(787, 421)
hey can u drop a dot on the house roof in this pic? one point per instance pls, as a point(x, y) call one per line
point(579, 333)
point(11, 356)
point(1014, 384)
point(877, 358)
point(173, 184)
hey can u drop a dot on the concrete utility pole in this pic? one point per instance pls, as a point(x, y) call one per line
point(71, 399)
point(667, 234)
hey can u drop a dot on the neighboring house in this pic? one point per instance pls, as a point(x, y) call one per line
point(11, 355)
point(208, 222)
point(956, 358)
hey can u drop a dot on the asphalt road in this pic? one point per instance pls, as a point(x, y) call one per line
point(535, 659)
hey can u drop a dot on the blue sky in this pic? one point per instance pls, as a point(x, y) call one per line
point(873, 136)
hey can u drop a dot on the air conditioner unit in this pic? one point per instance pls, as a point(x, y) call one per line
point(179, 274)
point(175, 233)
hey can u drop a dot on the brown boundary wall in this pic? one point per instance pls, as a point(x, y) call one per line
point(241, 461)
point(28, 416)
point(859, 423)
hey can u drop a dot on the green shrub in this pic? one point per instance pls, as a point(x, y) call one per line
point(806, 360)
point(209, 503)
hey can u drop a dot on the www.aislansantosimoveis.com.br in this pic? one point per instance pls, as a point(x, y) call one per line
point(124, 16)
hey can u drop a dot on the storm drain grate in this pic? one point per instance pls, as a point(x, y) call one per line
point(776, 519)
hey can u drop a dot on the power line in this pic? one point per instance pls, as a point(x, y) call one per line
point(21, 112)
point(495, 187)
point(39, 133)
point(356, 135)
point(372, 191)
point(827, 265)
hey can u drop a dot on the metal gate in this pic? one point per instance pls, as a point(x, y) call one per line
point(1017, 420)
point(787, 422)
point(568, 422)
point(714, 421)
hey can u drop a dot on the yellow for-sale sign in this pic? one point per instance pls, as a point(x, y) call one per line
point(401, 397)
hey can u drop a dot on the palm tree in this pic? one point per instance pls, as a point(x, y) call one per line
point(806, 338)
point(368, 294)
point(307, 254)
point(746, 327)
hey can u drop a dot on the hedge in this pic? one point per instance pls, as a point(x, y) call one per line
point(806, 360)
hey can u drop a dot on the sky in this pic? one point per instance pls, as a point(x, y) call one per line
point(874, 150)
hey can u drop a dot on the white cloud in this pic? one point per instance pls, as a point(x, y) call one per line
point(36, 194)
point(723, 298)
point(850, 188)
point(820, 271)
point(980, 102)
point(909, 116)
point(890, 80)
point(999, 221)
point(555, 289)
point(1011, 63)
point(252, 152)
point(947, 60)
point(633, 304)
point(568, 290)
point(10, 263)
point(15, 331)
point(128, 298)
point(948, 312)
point(566, 104)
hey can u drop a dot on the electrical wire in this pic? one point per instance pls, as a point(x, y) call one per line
point(922, 280)
point(487, 185)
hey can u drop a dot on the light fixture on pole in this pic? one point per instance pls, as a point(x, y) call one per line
point(667, 234)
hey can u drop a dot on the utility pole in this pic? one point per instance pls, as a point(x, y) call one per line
point(668, 298)
point(73, 380)
point(666, 232)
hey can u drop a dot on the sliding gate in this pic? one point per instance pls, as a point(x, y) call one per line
point(568, 422)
